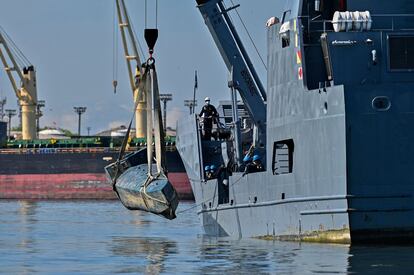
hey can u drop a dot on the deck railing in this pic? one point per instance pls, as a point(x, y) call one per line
point(380, 22)
point(16, 151)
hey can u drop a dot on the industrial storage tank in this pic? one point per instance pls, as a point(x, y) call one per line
point(3, 133)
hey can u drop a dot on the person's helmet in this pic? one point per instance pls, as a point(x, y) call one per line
point(207, 168)
point(207, 99)
point(247, 158)
point(256, 157)
point(213, 167)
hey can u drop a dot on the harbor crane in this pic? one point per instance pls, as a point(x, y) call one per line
point(191, 104)
point(27, 92)
point(165, 98)
point(2, 104)
point(10, 113)
point(134, 67)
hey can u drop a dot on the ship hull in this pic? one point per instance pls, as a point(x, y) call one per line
point(338, 156)
point(326, 197)
point(69, 174)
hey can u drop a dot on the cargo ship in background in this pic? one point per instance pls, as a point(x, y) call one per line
point(71, 168)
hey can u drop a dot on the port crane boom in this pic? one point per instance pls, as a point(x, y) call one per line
point(26, 93)
point(244, 77)
point(134, 68)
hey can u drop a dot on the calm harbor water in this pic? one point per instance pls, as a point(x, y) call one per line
point(105, 238)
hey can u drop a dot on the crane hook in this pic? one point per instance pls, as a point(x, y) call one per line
point(115, 84)
point(151, 36)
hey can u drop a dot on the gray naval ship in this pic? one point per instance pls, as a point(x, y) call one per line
point(334, 127)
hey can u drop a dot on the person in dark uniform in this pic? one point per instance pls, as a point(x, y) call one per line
point(213, 171)
point(222, 176)
point(255, 166)
point(209, 115)
point(246, 161)
point(207, 172)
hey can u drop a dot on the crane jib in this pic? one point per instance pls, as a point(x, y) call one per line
point(231, 48)
point(27, 92)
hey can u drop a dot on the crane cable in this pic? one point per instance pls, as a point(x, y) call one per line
point(156, 14)
point(248, 34)
point(115, 47)
point(17, 53)
point(20, 58)
point(212, 198)
point(136, 37)
point(115, 50)
point(122, 150)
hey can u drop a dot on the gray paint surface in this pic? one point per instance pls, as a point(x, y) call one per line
point(352, 162)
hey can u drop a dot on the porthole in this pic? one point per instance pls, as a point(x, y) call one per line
point(381, 103)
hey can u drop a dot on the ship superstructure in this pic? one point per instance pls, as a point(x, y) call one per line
point(336, 138)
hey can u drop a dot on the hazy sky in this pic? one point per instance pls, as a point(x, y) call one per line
point(70, 42)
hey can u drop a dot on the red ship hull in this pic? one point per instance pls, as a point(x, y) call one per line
point(70, 174)
point(72, 186)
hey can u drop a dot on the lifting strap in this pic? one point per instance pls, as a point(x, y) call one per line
point(154, 118)
point(155, 131)
point(125, 140)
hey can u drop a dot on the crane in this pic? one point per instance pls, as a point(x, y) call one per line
point(3, 102)
point(27, 92)
point(244, 77)
point(134, 67)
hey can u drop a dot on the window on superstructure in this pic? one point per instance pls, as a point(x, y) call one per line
point(285, 39)
point(284, 31)
point(282, 162)
point(401, 53)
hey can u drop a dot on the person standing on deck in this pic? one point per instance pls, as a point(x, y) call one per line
point(209, 115)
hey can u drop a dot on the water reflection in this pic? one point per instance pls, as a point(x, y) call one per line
point(258, 256)
point(27, 215)
point(153, 250)
point(381, 259)
point(140, 219)
point(104, 238)
point(27, 211)
point(232, 256)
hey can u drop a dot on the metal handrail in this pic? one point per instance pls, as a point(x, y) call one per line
point(392, 17)
point(199, 122)
point(16, 151)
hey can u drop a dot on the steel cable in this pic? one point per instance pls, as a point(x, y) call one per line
point(24, 61)
point(250, 37)
point(211, 198)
